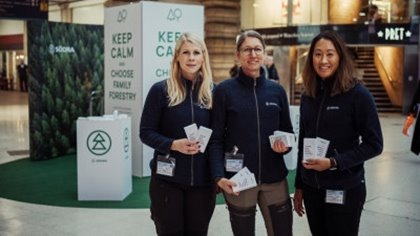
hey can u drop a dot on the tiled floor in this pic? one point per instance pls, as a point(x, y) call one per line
point(392, 207)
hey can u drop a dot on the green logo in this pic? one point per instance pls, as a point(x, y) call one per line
point(99, 142)
point(174, 14)
point(126, 139)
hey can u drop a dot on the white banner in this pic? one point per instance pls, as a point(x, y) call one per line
point(290, 158)
point(139, 44)
point(122, 69)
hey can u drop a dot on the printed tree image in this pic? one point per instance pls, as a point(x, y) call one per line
point(65, 64)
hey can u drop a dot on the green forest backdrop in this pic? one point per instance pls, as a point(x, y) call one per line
point(66, 64)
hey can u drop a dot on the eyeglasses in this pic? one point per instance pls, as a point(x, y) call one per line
point(248, 51)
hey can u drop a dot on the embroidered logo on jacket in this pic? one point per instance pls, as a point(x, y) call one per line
point(333, 108)
point(271, 104)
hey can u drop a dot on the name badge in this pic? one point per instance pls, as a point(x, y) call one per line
point(234, 162)
point(335, 196)
point(165, 165)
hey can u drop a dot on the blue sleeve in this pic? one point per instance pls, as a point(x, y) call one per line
point(285, 122)
point(216, 145)
point(156, 102)
point(368, 126)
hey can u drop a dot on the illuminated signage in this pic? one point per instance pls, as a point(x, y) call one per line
point(24, 9)
point(397, 34)
point(394, 33)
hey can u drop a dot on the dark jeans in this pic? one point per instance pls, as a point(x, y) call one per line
point(181, 210)
point(326, 219)
point(24, 84)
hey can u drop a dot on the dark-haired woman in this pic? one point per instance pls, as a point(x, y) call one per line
point(336, 107)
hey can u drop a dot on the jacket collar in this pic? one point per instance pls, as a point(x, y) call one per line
point(325, 84)
point(249, 81)
point(189, 84)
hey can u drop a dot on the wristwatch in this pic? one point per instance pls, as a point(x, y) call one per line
point(333, 163)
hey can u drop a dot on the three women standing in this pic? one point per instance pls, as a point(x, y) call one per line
point(247, 109)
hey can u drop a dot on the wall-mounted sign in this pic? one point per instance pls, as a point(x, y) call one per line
point(24, 9)
point(395, 34)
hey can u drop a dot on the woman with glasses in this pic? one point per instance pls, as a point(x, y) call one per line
point(247, 109)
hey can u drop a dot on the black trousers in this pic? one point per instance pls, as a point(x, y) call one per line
point(415, 142)
point(181, 210)
point(326, 219)
point(23, 84)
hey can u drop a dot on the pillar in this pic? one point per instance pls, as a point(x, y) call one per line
point(222, 25)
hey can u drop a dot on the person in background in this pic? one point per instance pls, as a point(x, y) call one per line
point(271, 68)
point(369, 14)
point(3, 80)
point(181, 191)
point(22, 70)
point(374, 17)
point(233, 71)
point(412, 115)
point(336, 107)
point(247, 110)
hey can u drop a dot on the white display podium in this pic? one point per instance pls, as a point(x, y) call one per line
point(290, 159)
point(104, 157)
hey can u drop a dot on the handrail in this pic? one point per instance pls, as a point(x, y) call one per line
point(383, 68)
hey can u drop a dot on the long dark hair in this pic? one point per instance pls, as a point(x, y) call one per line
point(344, 77)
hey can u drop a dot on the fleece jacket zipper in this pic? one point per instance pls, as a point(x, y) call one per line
point(192, 121)
point(324, 95)
point(258, 130)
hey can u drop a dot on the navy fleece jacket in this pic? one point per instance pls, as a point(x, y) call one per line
point(245, 113)
point(350, 122)
point(160, 125)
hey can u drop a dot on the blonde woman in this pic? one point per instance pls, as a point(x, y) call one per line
point(181, 191)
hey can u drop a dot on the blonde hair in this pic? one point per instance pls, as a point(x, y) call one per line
point(176, 87)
